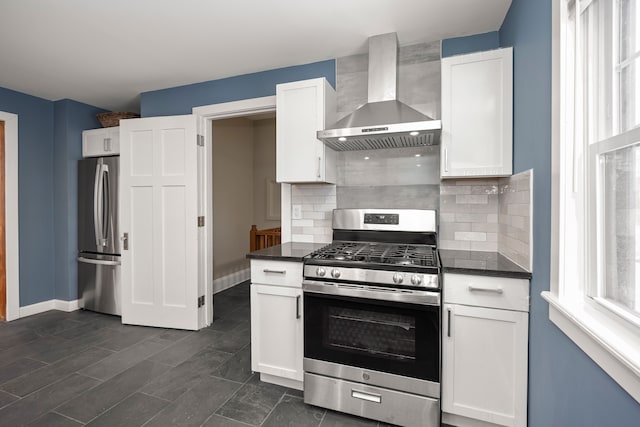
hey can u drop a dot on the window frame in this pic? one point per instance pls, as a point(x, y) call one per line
point(596, 231)
point(611, 341)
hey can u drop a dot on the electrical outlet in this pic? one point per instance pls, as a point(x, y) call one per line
point(296, 212)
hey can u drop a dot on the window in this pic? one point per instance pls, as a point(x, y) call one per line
point(595, 295)
point(608, 67)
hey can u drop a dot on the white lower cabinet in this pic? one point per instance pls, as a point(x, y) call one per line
point(484, 351)
point(276, 322)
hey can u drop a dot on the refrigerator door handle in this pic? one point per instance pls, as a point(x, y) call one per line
point(96, 203)
point(97, 261)
point(105, 213)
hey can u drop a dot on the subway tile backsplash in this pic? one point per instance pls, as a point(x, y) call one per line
point(488, 215)
point(317, 202)
point(514, 238)
point(469, 214)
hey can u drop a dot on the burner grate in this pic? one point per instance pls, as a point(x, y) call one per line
point(378, 253)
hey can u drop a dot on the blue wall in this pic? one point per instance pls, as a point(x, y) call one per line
point(180, 100)
point(566, 388)
point(468, 44)
point(71, 118)
point(35, 193)
point(49, 143)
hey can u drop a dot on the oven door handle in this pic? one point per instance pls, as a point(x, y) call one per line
point(372, 292)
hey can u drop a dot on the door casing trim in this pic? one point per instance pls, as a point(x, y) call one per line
point(11, 214)
point(206, 114)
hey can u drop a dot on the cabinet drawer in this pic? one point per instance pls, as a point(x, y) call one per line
point(483, 291)
point(283, 273)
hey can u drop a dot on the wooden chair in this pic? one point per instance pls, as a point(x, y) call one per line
point(261, 239)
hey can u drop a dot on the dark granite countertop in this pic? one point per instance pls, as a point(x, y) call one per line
point(481, 264)
point(291, 251)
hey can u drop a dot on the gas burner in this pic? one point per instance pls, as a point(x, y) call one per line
point(377, 253)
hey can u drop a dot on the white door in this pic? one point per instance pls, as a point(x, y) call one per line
point(159, 214)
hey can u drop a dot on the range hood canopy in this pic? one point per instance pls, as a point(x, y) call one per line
point(383, 122)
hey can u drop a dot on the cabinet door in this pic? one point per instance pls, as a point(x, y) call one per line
point(276, 331)
point(303, 108)
point(101, 142)
point(477, 115)
point(484, 364)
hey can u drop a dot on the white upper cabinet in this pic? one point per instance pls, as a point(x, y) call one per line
point(302, 109)
point(477, 115)
point(101, 142)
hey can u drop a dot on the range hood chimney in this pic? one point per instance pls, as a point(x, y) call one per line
point(383, 122)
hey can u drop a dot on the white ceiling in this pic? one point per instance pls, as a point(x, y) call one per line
point(105, 53)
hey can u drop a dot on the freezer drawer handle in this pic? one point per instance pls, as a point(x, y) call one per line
point(97, 261)
point(369, 397)
point(268, 270)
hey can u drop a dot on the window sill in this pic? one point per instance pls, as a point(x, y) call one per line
point(614, 348)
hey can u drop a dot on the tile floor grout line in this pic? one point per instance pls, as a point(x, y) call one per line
point(53, 411)
point(108, 409)
point(226, 418)
point(229, 398)
point(272, 409)
point(157, 397)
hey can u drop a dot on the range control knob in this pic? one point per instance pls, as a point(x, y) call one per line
point(321, 271)
point(335, 273)
point(397, 278)
point(416, 279)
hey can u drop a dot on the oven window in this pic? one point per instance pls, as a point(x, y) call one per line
point(386, 335)
point(397, 338)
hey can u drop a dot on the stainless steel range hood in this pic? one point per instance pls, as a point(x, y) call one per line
point(383, 122)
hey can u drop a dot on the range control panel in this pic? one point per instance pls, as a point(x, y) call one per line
point(374, 218)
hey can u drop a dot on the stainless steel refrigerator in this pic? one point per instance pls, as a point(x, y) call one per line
point(98, 243)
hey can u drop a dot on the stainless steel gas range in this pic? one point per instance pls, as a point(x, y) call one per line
point(372, 317)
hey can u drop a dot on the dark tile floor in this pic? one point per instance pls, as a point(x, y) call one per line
point(83, 368)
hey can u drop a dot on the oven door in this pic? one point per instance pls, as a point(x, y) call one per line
point(386, 330)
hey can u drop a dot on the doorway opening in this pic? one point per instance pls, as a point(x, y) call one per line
point(245, 193)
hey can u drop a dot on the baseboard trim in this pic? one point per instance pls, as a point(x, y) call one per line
point(285, 382)
point(52, 304)
point(230, 280)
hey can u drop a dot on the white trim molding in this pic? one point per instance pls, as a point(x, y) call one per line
point(52, 304)
point(230, 280)
point(11, 214)
point(615, 350)
point(206, 114)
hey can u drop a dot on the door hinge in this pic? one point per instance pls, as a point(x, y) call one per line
point(201, 221)
point(200, 141)
point(200, 301)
